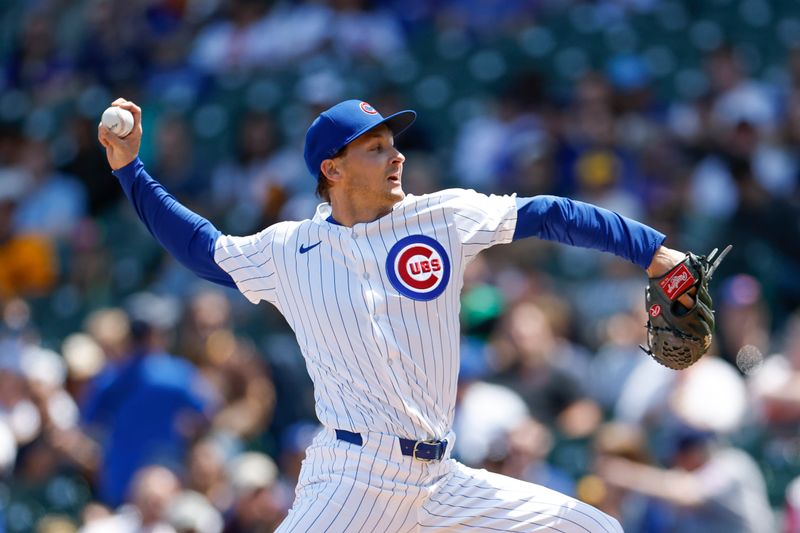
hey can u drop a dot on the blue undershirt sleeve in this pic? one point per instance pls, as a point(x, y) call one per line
point(577, 223)
point(186, 235)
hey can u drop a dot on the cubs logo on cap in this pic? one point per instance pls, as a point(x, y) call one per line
point(418, 267)
point(368, 109)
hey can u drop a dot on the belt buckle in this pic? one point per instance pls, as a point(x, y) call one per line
point(416, 446)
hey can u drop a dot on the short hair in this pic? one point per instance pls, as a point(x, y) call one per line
point(323, 185)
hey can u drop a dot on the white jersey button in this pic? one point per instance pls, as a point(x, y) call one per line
point(365, 275)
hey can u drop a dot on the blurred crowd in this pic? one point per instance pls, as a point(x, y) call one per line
point(136, 398)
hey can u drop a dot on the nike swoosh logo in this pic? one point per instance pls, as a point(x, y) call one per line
point(304, 249)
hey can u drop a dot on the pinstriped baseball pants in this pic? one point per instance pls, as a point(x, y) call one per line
point(346, 488)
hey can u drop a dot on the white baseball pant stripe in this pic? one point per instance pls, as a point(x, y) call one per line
point(346, 488)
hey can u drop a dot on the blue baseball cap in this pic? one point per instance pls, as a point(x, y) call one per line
point(686, 436)
point(343, 123)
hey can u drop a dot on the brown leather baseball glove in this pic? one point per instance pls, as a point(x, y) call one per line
point(678, 336)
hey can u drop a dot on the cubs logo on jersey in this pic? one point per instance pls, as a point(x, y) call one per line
point(418, 267)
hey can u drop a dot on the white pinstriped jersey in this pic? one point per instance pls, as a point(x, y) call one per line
point(375, 307)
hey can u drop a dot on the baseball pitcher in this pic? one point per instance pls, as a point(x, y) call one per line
point(370, 285)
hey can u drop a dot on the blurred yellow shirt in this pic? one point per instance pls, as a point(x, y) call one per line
point(28, 266)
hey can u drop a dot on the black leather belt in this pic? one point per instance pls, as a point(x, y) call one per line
point(421, 450)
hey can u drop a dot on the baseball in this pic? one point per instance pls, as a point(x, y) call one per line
point(118, 120)
point(749, 359)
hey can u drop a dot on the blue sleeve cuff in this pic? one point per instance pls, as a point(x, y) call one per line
point(127, 174)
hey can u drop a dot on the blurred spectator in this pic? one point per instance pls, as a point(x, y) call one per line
point(54, 203)
point(617, 357)
point(29, 264)
point(791, 517)
point(45, 373)
point(8, 449)
point(711, 394)
point(739, 99)
point(182, 169)
point(359, 31)
point(147, 408)
point(84, 359)
point(17, 406)
point(89, 270)
point(744, 169)
point(485, 16)
point(775, 381)
point(743, 317)
point(55, 524)
point(37, 64)
point(495, 148)
point(637, 512)
point(253, 477)
point(535, 356)
point(111, 52)
point(774, 384)
point(190, 512)
point(205, 472)
point(591, 165)
point(207, 317)
point(171, 79)
point(522, 454)
point(482, 305)
point(252, 188)
point(88, 164)
point(760, 219)
point(710, 486)
point(152, 489)
point(110, 328)
point(791, 128)
point(249, 35)
point(230, 363)
point(485, 412)
point(633, 98)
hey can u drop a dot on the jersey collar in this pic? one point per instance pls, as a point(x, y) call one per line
point(324, 213)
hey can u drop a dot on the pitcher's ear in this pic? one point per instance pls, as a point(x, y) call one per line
point(330, 169)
